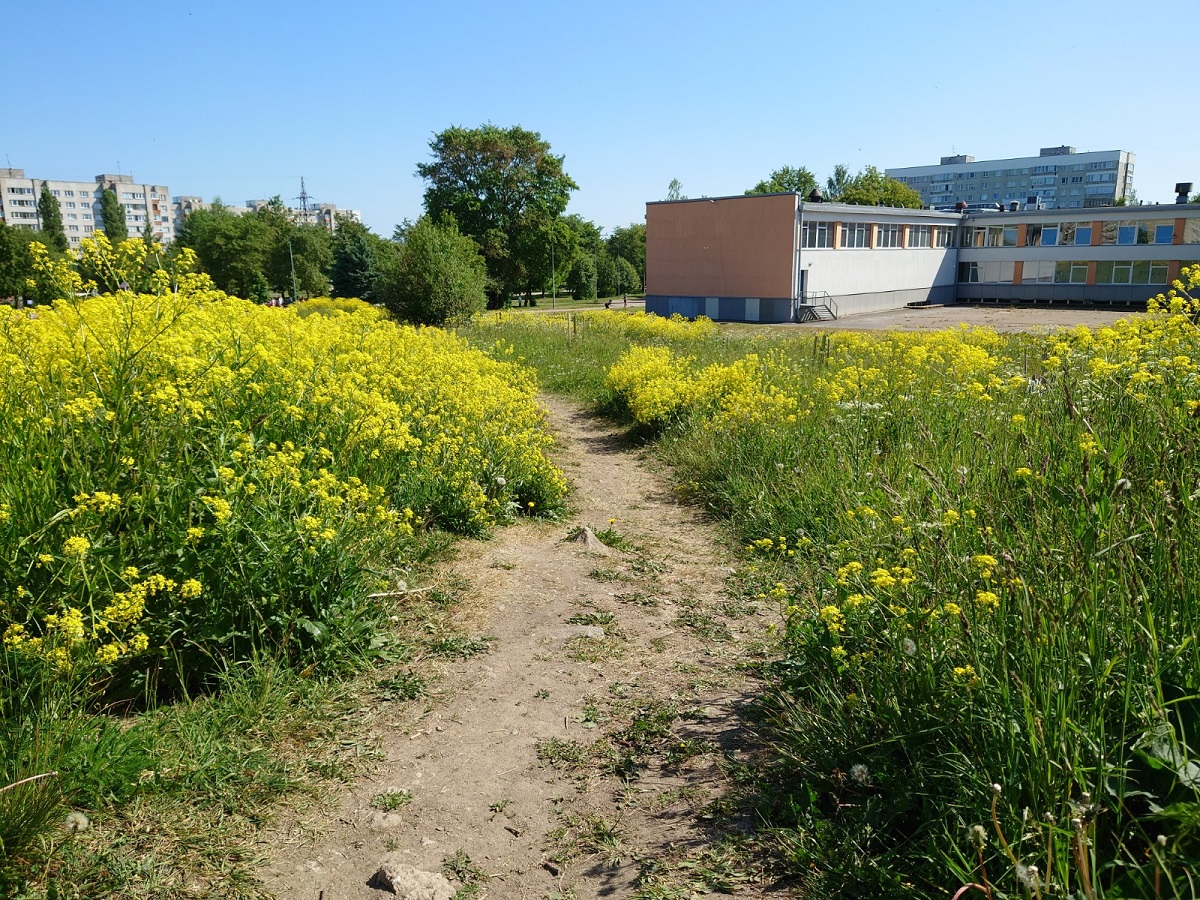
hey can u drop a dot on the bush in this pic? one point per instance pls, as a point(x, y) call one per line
point(437, 277)
point(188, 479)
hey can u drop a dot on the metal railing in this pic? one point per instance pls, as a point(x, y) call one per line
point(809, 304)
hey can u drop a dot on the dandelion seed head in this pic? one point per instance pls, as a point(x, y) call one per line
point(76, 822)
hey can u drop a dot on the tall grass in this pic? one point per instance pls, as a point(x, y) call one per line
point(985, 554)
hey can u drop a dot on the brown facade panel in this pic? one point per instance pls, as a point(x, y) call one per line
point(733, 247)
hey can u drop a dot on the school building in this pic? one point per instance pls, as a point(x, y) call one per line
point(780, 258)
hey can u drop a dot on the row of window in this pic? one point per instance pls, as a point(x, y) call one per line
point(1067, 234)
point(857, 235)
point(1048, 271)
point(1110, 164)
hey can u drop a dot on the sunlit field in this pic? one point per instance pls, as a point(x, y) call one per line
point(984, 553)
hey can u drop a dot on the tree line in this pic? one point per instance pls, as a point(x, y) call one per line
point(494, 231)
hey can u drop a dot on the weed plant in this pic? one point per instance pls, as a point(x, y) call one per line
point(985, 553)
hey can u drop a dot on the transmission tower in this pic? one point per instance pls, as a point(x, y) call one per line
point(306, 217)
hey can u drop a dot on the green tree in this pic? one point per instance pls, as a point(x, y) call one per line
point(436, 277)
point(358, 254)
point(112, 216)
point(15, 262)
point(303, 250)
point(233, 250)
point(675, 190)
point(870, 187)
point(52, 220)
point(836, 184)
point(800, 181)
point(504, 189)
point(630, 243)
point(582, 280)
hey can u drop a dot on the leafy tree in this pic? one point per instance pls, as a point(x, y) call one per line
point(800, 180)
point(232, 249)
point(306, 250)
point(675, 190)
point(504, 189)
point(16, 265)
point(437, 277)
point(582, 280)
point(837, 183)
point(358, 255)
point(630, 243)
point(52, 221)
point(628, 278)
point(870, 187)
point(112, 216)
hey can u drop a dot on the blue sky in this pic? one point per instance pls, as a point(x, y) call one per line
point(240, 99)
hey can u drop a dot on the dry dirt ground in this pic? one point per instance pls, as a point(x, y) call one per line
point(581, 755)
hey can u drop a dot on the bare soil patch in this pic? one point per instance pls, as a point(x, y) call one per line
point(575, 757)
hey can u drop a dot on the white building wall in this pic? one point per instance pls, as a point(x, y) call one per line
point(862, 281)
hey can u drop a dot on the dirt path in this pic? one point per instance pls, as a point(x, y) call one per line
point(576, 753)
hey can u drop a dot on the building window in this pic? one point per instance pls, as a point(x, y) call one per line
point(855, 235)
point(945, 236)
point(1164, 234)
point(1008, 237)
point(69, 193)
point(968, 273)
point(918, 236)
point(1033, 236)
point(1083, 235)
point(1070, 273)
point(815, 235)
point(72, 228)
point(1038, 271)
point(887, 236)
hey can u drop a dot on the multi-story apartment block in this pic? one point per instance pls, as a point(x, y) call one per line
point(1057, 178)
point(79, 202)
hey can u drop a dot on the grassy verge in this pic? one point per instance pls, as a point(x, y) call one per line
point(983, 549)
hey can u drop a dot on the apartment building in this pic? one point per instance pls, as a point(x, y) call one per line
point(79, 202)
point(778, 258)
point(1057, 178)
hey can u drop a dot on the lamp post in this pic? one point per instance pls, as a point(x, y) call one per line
point(292, 263)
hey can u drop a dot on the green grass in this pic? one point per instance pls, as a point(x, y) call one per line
point(1025, 612)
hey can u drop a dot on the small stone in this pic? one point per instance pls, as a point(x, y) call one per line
point(587, 538)
point(409, 883)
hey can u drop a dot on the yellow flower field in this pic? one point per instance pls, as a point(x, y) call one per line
point(185, 477)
